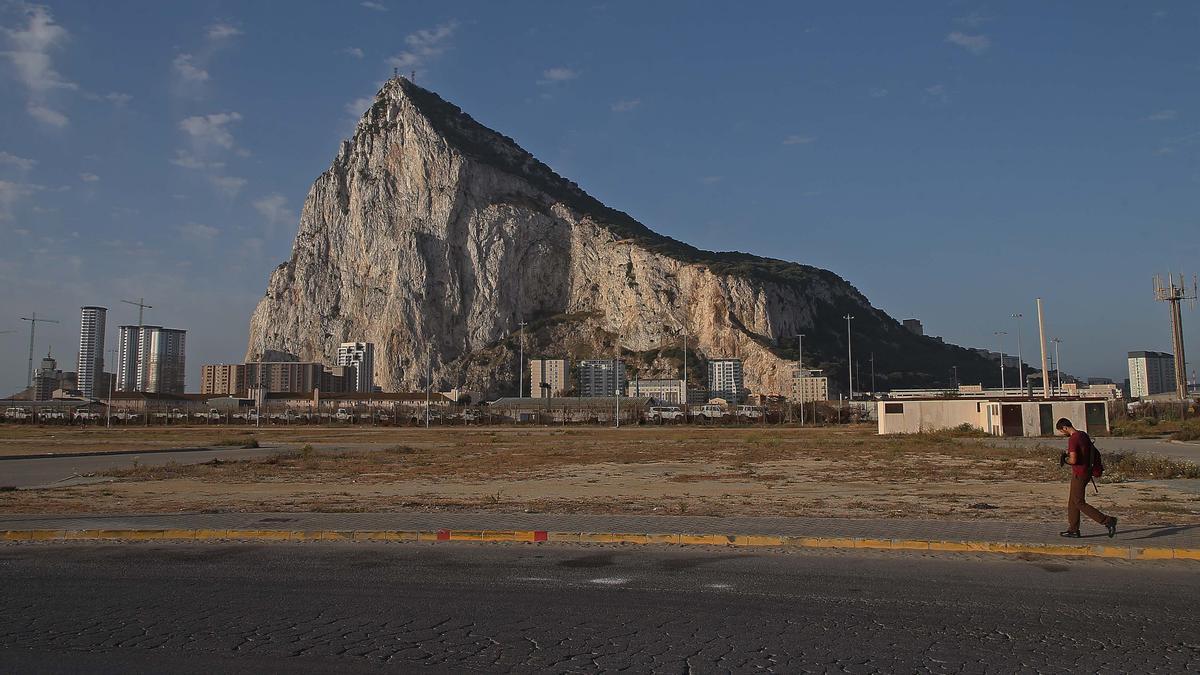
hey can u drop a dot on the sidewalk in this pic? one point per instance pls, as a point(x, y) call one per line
point(1133, 542)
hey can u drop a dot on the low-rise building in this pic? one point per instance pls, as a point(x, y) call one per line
point(997, 416)
point(808, 386)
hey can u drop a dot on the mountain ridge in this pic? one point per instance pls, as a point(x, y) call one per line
point(430, 233)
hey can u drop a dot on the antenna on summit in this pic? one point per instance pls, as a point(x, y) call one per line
point(412, 76)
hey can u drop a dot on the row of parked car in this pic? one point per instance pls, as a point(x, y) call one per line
point(711, 411)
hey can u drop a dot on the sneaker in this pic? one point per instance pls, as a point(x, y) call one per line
point(1074, 534)
point(1112, 526)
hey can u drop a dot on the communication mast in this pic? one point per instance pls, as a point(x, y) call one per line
point(1175, 295)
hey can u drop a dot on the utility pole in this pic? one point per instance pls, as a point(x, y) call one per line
point(1042, 342)
point(999, 335)
point(1174, 295)
point(800, 348)
point(142, 307)
point(33, 322)
point(108, 413)
point(1020, 358)
point(872, 374)
point(521, 362)
point(849, 357)
point(429, 384)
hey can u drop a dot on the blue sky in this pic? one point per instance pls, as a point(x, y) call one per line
point(953, 163)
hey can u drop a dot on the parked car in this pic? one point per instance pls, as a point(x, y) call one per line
point(85, 414)
point(50, 415)
point(343, 415)
point(751, 411)
point(172, 414)
point(126, 416)
point(661, 413)
point(17, 414)
point(708, 411)
point(250, 415)
point(212, 415)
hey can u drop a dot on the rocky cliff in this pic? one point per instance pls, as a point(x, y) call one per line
point(433, 237)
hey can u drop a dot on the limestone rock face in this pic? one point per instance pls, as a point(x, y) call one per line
point(433, 237)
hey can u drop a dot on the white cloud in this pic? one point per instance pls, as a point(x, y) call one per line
point(356, 107)
point(1163, 115)
point(222, 31)
point(377, 6)
point(626, 105)
point(976, 44)
point(558, 74)
point(229, 186)
point(187, 160)
point(423, 46)
point(29, 51)
point(187, 70)
point(198, 231)
point(879, 92)
point(22, 164)
point(796, 139)
point(211, 129)
point(936, 93)
point(13, 192)
point(88, 177)
point(274, 209)
point(354, 52)
point(711, 180)
point(972, 20)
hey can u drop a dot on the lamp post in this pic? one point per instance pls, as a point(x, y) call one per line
point(1020, 357)
point(998, 334)
point(1057, 365)
point(849, 356)
point(521, 362)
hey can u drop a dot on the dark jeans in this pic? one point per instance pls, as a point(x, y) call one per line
point(1077, 502)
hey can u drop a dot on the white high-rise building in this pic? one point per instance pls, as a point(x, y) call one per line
point(90, 365)
point(725, 380)
point(361, 357)
point(552, 372)
point(601, 377)
point(1151, 373)
point(151, 359)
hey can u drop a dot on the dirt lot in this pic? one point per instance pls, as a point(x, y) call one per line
point(847, 472)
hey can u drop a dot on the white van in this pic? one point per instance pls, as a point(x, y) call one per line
point(753, 412)
point(709, 411)
point(660, 413)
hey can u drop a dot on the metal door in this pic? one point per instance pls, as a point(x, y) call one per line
point(1046, 418)
point(1010, 420)
point(1097, 418)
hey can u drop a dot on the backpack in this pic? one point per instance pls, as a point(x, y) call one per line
point(1095, 463)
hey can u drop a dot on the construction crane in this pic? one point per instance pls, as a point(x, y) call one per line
point(1175, 295)
point(34, 320)
point(142, 307)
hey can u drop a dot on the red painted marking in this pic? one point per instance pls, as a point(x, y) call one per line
point(539, 535)
point(443, 535)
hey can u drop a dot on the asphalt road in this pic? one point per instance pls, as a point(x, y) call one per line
point(43, 471)
point(525, 608)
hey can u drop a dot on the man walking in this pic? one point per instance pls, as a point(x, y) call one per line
point(1080, 454)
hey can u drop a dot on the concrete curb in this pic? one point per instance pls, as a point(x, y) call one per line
point(529, 536)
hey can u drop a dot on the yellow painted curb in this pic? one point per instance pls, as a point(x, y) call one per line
point(529, 536)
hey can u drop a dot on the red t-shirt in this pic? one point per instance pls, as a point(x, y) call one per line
point(1080, 444)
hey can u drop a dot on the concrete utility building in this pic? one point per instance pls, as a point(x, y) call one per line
point(997, 416)
point(1151, 373)
point(554, 373)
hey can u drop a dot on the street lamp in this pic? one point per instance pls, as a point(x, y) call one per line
point(998, 334)
point(849, 357)
point(1057, 364)
point(521, 362)
point(1020, 358)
